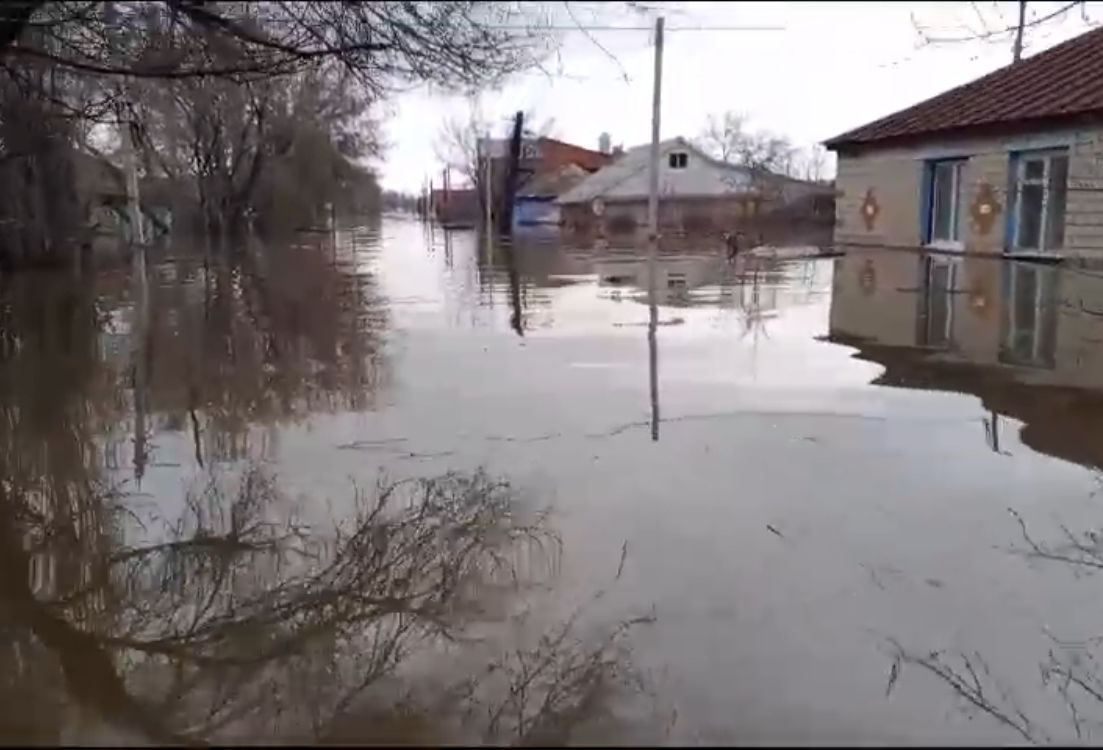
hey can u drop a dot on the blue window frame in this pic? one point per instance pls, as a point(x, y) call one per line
point(941, 220)
point(1038, 193)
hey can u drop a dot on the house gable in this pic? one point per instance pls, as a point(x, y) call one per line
point(684, 171)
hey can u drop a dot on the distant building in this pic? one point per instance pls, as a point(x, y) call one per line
point(1011, 163)
point(699, 195)
point(101, 186)
point(546, 168)
point(535, 202)
point(455, 208)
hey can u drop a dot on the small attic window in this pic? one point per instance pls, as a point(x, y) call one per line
point(678, 159)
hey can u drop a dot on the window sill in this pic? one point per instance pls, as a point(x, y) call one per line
point(946, 247)
point(1034, 254)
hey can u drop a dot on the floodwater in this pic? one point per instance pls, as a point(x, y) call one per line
point(848, 500)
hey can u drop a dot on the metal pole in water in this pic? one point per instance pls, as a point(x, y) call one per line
point(653, 230)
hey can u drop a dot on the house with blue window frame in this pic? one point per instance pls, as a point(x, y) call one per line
point(1011, 163)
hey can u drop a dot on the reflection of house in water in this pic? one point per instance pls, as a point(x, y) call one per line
point(1025, 338)
point(758, 287)
point(675, 276)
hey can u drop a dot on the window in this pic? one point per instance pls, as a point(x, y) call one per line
point(678, 159)
point(1040, 188)
point(944, 202)
point(1029, 319)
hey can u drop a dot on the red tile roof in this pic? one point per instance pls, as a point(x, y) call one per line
point(558, 154)
point(1063, 82)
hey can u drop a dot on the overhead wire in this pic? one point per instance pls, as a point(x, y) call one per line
point(593, 27)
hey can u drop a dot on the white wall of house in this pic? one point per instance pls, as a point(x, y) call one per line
point(896, 178)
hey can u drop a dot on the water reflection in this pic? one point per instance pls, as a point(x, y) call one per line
point(221, 614)
point(237, 621)
point(1023, 337)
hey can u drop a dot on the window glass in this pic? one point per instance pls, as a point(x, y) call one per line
point(1030, 216)
point(942, 206)
point(1034, 169)
point(1055, 208)
point(1040, 190)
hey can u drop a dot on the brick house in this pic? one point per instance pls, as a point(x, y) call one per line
point(1011, 163)
point(553, 155)
point(544, 167)
point(699, 196)
point(455, 208)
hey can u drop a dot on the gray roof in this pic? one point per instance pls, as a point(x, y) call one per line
point(627, 177)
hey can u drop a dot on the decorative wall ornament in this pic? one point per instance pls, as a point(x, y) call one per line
point(985, 209)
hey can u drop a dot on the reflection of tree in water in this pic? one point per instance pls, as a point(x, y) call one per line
point(58, 400)
point(238, 622)
point(1071, 668)
point(234, 620)
point(57, 395)
point(226, 347)
point(274, 338)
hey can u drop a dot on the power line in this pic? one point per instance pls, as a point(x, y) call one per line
point(927, 39)
point(586, 27)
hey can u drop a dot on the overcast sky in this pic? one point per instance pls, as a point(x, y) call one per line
point(830, 67)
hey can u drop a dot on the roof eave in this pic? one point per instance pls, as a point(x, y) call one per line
point(846, 143)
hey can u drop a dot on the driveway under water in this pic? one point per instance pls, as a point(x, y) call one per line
point(868, 515)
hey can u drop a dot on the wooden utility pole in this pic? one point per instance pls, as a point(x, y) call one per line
point(488, 199)
point(1017, 53)
point(653, 230)
point(133, 196)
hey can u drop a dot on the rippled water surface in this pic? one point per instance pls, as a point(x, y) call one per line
point(311, 493)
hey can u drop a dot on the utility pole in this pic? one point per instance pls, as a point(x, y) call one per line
point(653, 230)
point(488, 199)
point(133, 197)
point(1017, 54)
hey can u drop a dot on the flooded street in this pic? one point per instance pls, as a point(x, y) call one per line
point(869, 514)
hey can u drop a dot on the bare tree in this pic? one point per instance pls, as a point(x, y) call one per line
point(458, 138)
point(214, 92)
point(728, 138)
point(464, 43)
point(812, 163)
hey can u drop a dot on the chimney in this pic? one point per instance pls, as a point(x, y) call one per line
point(604, 142)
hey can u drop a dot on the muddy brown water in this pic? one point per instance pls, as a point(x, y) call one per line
point(866, 511)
